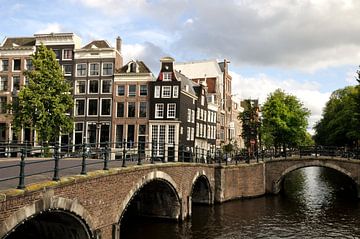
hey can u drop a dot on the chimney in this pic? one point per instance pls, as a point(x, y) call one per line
point(118, 44)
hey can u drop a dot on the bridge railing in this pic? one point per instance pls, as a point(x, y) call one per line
point(30, 163)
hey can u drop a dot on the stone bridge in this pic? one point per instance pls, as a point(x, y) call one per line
point(95, 205)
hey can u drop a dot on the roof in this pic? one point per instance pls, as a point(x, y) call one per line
point(140, 67)
point(199, 69)
point(18, 42)
point(97, 44)
point(185, 81)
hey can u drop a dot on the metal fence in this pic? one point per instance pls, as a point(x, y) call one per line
point(20, 162)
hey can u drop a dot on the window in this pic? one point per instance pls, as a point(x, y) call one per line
point(175, 91)
point(143, 109)
point(193, 116)
point(3, 102)
point(166, 92)
point(142, 129)
point(3, 83)
point(106, 107)
point(171, 134)
point(131, 109)
point(57, 53)
point(159, 110)
point(130, 135)
point(5, 65)
point(132, 91)
point(29, 65)
point(80, 87)
point(143, 90)
point(119, 135)
point(188, 133)
point(91, 132)
point(121, 90)
point(157, 91)
point(107, 69)
point(67, 54)
point(120, 109)
point(167, 76)
point(92, 107)
point(94, 69)
point(192, 133)
point(202, 100)
point(79, 127)
point(79, 107)
point(81, 69)
point(189, 115)
point(16, 83)
point(93, 86)
point(171, 110)
point(16, 65)
point(106, 86)
point(67, 70)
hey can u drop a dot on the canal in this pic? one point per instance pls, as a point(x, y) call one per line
point(315, 203)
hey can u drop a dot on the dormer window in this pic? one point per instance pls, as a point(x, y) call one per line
point(167, 76)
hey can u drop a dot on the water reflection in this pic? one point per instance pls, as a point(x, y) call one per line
point(315, 203)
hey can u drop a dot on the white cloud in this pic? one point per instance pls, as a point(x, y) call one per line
point(50, 27)
point(261, 85)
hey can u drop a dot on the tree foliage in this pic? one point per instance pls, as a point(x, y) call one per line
point(45, 102)
point(284, 121)
point(250, 123)
point(339, 125)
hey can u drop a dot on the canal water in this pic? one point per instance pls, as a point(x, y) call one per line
point(315, 203)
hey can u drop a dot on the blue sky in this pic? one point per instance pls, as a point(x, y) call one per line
point(308, 48)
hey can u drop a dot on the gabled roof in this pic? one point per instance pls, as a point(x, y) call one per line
point(139, 67)
point(18, 42)
point(97, 44)
point(185, 81)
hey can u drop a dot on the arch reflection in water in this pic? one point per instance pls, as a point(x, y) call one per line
point(55, 224)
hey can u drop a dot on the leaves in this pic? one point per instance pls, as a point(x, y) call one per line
point(284, 120)
point(43, 104)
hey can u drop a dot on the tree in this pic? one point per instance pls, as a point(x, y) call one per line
point(339, 125)
point(284, 121)
point(45, 102)
point(250, 124)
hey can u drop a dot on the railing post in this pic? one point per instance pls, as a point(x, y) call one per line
point(105, 151)
point(56, 161)
point(152, 153)
point(196, 154)
point(219, 156)
point(22, 170)
point(83, 162)
point(124, 155)
point(182, 154)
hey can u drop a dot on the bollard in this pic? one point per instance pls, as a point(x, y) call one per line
point(22, 170)
point(124, 156)
point(105, 151)
point(56, 161)
point(83, 162)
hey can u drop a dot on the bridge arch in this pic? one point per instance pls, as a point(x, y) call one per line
point(62, 212)
point(166, 182)
point(278, 182)
point(201, 191)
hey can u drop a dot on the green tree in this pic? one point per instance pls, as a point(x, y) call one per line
point(45, 102)
point(284, 121)
point(339, 125)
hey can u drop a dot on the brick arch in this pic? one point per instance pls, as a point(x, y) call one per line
point(68, 206)
point(197, 176)
point(276, 187)
point(154, 175)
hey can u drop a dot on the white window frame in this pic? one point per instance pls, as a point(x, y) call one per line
point(92, 93)
point(166, 89)
point(101, 87)
point(175, 91)
point(117, 90)
point(13, 65)
point(76, 87)
point(26, 64)
point(63, 54)
point(157, 91)
point(65, 73)
point(102, 69)
point(91, 72)
point(4, 84)
point(75, 105)
point(192, 116)
point(167, 76)
point(189, 115)
point(159, 111)
point(88, 104)
point(133, 95)
point(101, 105)
point(85, 70)
point(171, 111)
point(188, 133)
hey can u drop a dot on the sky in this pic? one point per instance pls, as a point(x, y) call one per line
point(308, 48)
